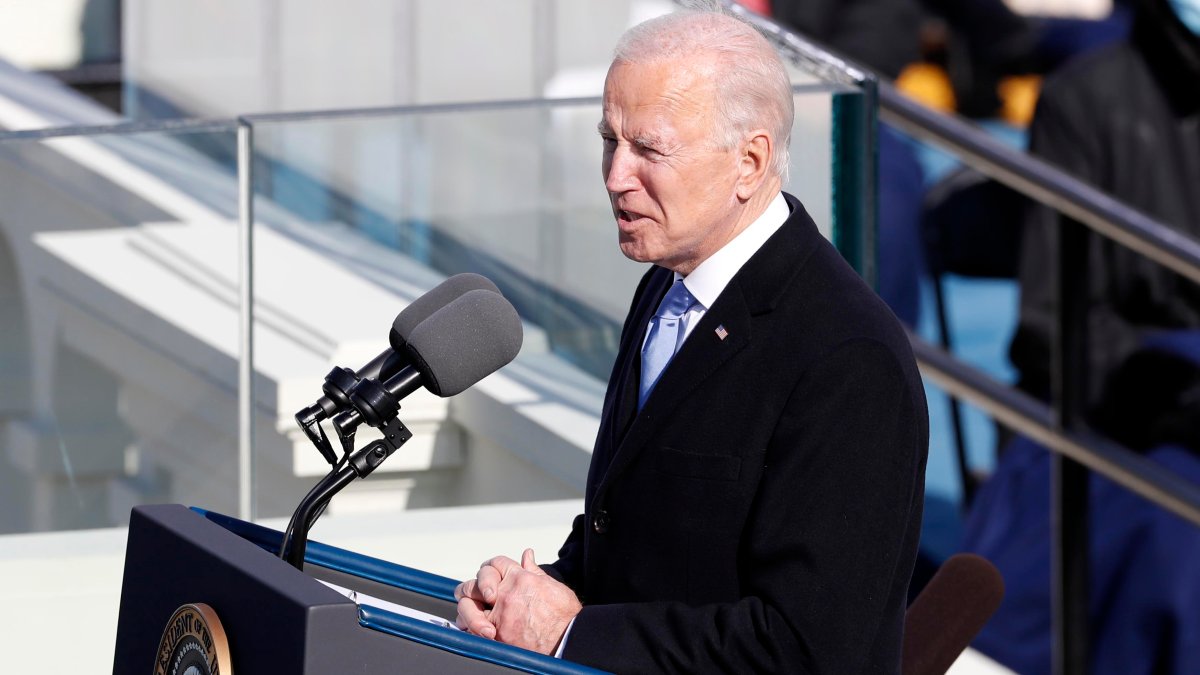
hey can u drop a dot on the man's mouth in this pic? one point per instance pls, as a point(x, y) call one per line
point(625, 216)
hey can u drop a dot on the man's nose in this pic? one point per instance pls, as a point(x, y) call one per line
point(620, 174)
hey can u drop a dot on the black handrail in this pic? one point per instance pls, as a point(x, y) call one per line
point(1060, 427)
point(1087, 207)
point(1036, 420)
point(1044, 183)
point(1040, 181)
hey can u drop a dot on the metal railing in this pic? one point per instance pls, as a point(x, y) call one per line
point(1058, 426)
point(1044, 183)
point(1101, 213)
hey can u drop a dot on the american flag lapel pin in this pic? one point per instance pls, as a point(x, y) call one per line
point(721, 332)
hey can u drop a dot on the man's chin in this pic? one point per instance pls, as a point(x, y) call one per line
point(631, 250)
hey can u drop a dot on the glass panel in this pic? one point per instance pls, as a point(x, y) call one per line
point(123, 365)
point(359, 215)
point(118, 328)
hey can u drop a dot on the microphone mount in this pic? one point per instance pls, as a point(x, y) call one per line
point(354, 401)
point(359, 463)
point(337, 387)
point(374, 402)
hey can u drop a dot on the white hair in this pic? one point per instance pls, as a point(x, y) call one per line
point(753, 88)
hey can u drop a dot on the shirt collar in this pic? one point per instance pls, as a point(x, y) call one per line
point(710, 278)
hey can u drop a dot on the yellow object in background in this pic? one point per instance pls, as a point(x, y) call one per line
point(929, 85)
point(1018, 96)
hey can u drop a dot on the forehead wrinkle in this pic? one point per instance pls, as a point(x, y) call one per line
point(653, 117)
point(682, 96)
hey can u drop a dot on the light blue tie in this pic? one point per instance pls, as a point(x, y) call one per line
point(664, 338)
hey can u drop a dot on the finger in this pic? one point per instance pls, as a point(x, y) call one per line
point(468, 589)
point(528, 563)
point(487, 580)
point(502, 564)
point(473, 619)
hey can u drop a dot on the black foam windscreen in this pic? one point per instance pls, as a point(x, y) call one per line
point(949, 612)
point(438, 297)
point(470, 338)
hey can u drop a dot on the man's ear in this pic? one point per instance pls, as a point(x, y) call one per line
point(754, 163)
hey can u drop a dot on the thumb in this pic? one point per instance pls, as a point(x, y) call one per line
point(528, 563)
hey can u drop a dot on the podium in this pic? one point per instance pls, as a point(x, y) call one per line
point(278, 620)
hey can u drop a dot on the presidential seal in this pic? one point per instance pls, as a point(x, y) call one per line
point(193, 643)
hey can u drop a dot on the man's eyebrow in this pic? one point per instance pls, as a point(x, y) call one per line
point(602, 127)
point(648, 141)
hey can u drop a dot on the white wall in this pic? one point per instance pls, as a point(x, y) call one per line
point(227, 57)
point(37, 34)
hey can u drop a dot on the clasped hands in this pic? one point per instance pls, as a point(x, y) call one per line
point(516, 603)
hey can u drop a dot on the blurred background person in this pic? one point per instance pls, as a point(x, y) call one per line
point(955, 56)
point(1127, 120)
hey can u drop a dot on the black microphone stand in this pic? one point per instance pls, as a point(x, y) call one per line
point(367, 401)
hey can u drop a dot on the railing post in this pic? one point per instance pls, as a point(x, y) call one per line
point(855, 151)
point(245, 174)
point(1069, 491)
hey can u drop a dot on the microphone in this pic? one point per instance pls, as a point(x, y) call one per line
point(340, 380)
point(464, 341)
point(949, 612)
point(470, 338)
point(394, 358)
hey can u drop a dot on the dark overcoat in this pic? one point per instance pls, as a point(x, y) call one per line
point(762, 512)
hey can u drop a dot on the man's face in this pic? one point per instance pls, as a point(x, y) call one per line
point(672, 188)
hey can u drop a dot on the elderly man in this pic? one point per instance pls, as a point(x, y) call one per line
point(754, 498)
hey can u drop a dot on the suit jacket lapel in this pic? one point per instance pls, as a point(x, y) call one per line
point(702, 353)
point(754, 290)
point(625, 407)
point(623, 392)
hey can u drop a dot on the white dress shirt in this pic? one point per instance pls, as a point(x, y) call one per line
point(710, 277)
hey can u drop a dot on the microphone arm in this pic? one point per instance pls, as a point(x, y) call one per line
point(359, 464)
point(367, 400)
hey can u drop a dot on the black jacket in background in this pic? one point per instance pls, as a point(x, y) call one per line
point(1127, 120)
point(883, 35)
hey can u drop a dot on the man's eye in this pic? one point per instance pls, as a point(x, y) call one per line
point(609, 142)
